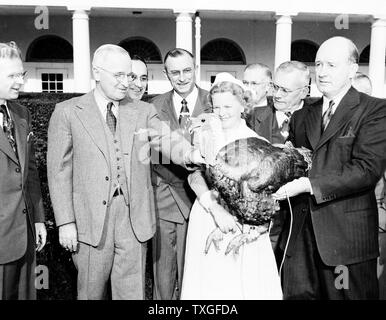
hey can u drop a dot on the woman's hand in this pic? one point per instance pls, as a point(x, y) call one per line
point(224, 220)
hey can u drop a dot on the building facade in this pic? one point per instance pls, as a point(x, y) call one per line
point(57, 38)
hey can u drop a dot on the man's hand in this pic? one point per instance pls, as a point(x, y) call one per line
point(68, 236)
point(41, 235)
point(293, 188)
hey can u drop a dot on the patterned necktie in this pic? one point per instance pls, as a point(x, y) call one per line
point(327, 115)
point(110, 118)
point(184, 115)
point(8, 128)
point(285, 126)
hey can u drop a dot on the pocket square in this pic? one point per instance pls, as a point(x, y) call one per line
point(348, 134)
point(30, 136)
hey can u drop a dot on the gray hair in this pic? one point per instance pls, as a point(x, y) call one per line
point(260, 66)
point(101, 53)
point(290, 66)
point(10, 50)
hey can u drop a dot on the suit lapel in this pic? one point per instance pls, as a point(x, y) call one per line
point(313, 123)
point(169, 111)
point(263, 121)
point(343, 113)
point(20, 133)
point(4, 143)
point(202, 104)
point(89, 114)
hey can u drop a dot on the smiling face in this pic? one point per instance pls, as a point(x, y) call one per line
point(111, 74)
point(229, 108)
point(138, 86)
point(180, 71)
point(10, 83)
point(333, 67)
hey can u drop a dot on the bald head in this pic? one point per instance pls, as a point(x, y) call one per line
point(335, 66)
point(104, 52)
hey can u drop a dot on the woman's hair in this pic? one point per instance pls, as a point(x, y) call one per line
point(10, 50)
point(227, 86)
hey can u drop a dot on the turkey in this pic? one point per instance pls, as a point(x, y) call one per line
point(245, 173)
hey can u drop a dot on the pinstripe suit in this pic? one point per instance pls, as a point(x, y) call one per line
point(338, 224)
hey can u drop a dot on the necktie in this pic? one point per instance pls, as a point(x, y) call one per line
point(110, 118)
point(327, 115)
point(184, 115)
point(8, 128)
point(285, 125)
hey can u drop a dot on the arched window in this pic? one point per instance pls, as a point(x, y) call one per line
point(49, 48)
point(142, 47)
point(304, 50)
point(364, 57)
point(222, 51)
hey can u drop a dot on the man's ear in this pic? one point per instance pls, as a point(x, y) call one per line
point(96, 73)
point(353, 70)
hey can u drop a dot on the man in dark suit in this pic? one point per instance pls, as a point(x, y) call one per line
point(173, 196)
point(22, 229)
point(289, 89)
point(333, 247)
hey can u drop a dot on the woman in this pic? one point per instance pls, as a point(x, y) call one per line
point(210, 273)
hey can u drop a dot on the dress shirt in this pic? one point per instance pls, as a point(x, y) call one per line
point(337, 99)
point(102, 104)
point(190, 99)
point(281, 115)
point(1, 115)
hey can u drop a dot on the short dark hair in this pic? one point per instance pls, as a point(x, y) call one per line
point(139, 58)
point(176, 52)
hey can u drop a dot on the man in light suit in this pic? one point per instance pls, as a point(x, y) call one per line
point(99, 178)
point(333, 248)
point(173, 196)
point(22, 229)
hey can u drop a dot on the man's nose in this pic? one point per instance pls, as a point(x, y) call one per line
point(181, 76)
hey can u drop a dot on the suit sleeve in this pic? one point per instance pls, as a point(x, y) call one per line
point(367, 162)
point(172, 144)
point(33, 183)
point(59, 166)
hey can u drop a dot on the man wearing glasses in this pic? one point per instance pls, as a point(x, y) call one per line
point(99, 181)
point(289, 88)
point(22, 229)
point(257, 79)
point(173, 196)
point(138, 85)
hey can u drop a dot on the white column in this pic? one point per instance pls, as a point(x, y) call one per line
point(283, 38)
point(184, 29)
point(377, 57)
point(81, 44)
point(198, 47)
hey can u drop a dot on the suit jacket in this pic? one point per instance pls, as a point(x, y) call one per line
point(19, 187)
point(174, 197)
point(348, 160)
point(79, 172)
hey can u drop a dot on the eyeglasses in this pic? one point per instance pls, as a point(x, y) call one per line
point(119, 76)
point(20, 75)
point(285, 91)
point(176, 73)
point(253, 83)
point(141, 78)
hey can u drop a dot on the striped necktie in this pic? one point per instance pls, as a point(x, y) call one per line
point(8, 128)
point(184, 115)
point(111, 121)
point(285, 125)
point(327, 115)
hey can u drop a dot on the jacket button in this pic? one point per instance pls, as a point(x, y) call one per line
point(24, 210)
point(304, 210)
point(104, 202)
point(107, 178)
point(17, 169)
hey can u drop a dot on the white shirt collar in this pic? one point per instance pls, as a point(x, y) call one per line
point(190, 99)
point(281, 115)
point(1, 115)
point(337, 99)
point(102, 104)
